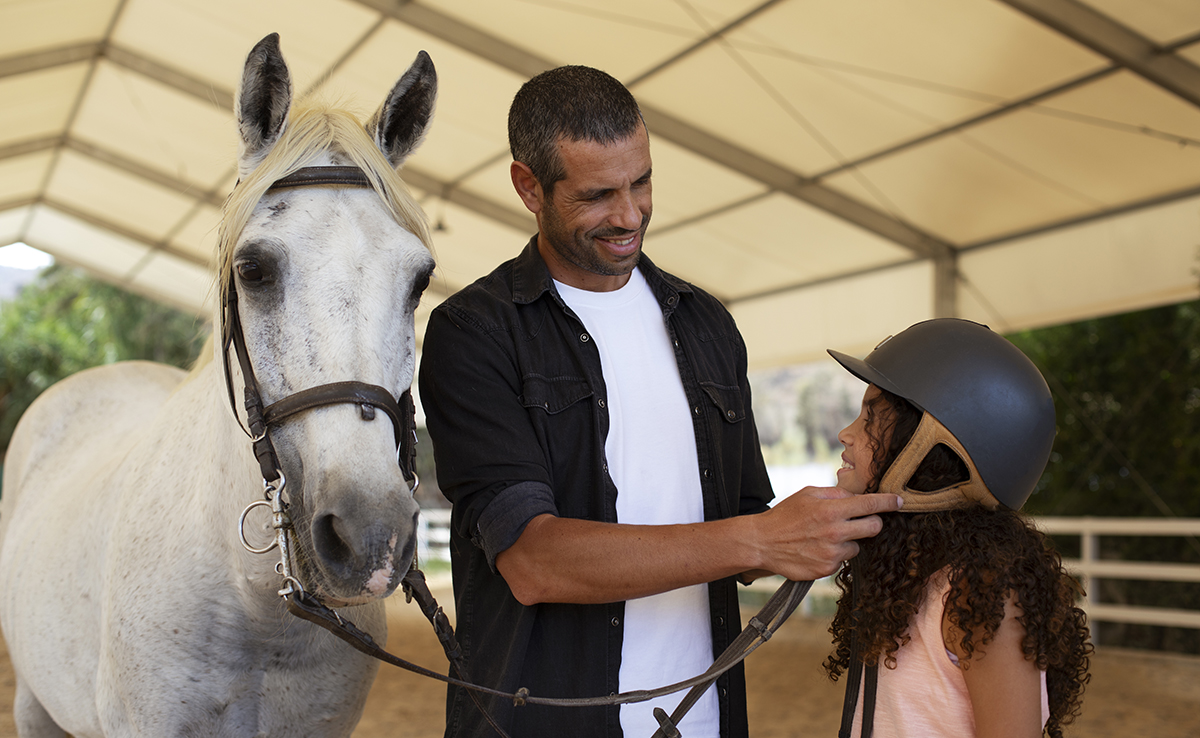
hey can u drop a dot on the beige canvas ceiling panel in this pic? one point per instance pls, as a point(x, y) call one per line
point(701, 255)
point(715, 93)
point(115, 197)
point(494, 183)
point(766, 245)
point(197, 236)
point(22, 176)
point(891, 108)
point(978, 46)
point(35, 25)
point(470, 120)
point(184, 285)
point(82, 244)
point(963, 190)
point(1135, 261)
point(1130, 103)
point(210, 38)
point(158, 127)
point(469, 246)
point(37, 104)
point(1191, 53)
point(12, 224)
point(687, 185)
point(1087, 143)
point(622, 37)
point(813, 111)
point(851, 315)
point(1162, 21)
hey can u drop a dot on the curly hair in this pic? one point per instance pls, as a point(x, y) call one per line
point(987, 555)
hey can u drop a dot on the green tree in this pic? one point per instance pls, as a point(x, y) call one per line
point(65, 322)
point(1127, 392)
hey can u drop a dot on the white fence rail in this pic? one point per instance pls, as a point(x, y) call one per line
point(434, 544)
point(433, 534)
point(1091, 568)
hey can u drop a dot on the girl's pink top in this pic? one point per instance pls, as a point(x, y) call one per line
point(925, 696)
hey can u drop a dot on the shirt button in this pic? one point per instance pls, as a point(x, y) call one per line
point(584, 337)
point(730, 414)
point(720, 620)
point(616, 622)
point(696, 410)
point(707, 474)
point(672, 300)
point(724, 692)
point(600, 402)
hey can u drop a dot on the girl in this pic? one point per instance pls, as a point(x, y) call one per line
point(960, 598)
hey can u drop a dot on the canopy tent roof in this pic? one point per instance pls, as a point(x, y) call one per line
point(833, 170)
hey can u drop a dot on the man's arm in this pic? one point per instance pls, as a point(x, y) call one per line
point(806, 536)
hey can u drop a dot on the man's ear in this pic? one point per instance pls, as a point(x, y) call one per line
point(527, 187)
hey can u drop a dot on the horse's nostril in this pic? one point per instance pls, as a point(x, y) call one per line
point(332, 546)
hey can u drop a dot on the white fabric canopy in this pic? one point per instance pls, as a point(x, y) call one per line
point(833, 170)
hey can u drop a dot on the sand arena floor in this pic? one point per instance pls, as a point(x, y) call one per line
point(1132, 693)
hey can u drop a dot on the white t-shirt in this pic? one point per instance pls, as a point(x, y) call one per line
point(651, 452)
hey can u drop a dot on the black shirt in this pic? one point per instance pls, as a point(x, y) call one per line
point(514, 399)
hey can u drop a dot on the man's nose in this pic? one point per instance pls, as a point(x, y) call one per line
point(626, 213)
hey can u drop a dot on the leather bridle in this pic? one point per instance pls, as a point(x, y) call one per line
point(302, 604)
point(261, 418)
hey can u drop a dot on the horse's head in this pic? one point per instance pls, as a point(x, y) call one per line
point(327, 279)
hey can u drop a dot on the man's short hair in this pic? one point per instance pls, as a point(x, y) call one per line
point(575, 103)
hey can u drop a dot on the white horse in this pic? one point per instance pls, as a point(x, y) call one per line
point(130, 606)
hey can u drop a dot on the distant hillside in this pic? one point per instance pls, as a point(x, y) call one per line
point(12, 280)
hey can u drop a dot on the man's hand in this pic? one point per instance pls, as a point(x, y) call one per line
point(809, 534)
point(806, 536)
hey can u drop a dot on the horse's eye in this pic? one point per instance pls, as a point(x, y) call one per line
point(250, 271)
point(420, 285)
point(418, 289)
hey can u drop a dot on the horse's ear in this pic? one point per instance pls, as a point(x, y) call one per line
point(401, 122)
point(264, 98)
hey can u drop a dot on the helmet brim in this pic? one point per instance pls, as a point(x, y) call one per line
point(866, 372)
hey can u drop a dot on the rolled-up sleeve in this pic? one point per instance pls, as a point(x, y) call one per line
point(503, 520)
point(489, 464)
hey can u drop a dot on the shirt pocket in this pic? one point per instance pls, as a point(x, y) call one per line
point(553, 394)
point(730, 404)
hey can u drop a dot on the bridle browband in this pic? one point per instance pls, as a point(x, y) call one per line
point(369, 397)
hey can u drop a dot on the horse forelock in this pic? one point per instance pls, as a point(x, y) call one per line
point(314, 129)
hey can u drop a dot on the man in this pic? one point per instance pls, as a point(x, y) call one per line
point(592, 426)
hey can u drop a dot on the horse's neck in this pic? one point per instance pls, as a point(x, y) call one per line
point(226, 477)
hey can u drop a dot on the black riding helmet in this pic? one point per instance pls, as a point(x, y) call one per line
point(979, 386)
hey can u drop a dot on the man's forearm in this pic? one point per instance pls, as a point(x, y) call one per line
point(806, 536)
point(586, 562)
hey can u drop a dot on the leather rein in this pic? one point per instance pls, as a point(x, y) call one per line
point(302, 604)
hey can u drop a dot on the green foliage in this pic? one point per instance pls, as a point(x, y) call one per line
point(65, 322)
point(1127, 392)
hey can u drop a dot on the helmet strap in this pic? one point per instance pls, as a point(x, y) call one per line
point(928, 434)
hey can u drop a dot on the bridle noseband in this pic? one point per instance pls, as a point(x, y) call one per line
point(261, 418)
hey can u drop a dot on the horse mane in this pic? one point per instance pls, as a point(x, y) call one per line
point(314, 128)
